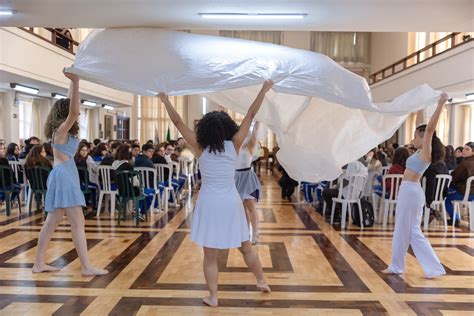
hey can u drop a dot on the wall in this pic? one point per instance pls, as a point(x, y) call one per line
point(26, 55)
point(387, 48)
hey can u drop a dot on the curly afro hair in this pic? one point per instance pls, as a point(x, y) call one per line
point(213, 129)
point(57, 116)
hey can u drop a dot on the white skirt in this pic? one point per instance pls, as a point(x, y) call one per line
point(247, 184)
point(219, 220)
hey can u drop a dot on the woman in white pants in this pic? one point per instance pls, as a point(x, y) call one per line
point(411, 200)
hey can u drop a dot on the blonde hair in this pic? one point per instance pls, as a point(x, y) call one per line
point(58, 114)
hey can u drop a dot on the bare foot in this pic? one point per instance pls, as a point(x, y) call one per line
point(388, 271)
point(94, 271)
point(44, 268)
point(209, 301)
point(263, 286)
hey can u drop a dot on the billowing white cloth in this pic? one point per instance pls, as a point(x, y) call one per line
point(322, 114)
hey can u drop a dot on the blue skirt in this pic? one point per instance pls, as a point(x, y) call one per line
point(64, 189)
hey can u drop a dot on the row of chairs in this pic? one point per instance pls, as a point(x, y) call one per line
point(34, 182)
point(353, 192)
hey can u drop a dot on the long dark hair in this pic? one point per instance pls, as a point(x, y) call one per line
point(400, 156)
point(213, 129)
point(57, 116)
point(438, 152)
point(11, 149)
point(34, 157)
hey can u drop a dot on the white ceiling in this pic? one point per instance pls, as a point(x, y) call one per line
point(323, 15)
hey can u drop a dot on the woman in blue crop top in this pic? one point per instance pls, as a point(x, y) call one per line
point(411, 201)
point(64, 195)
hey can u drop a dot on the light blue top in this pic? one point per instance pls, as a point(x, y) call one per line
point(69, 148)
point(414, 163)
point(63, 183)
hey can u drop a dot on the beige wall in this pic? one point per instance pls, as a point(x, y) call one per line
point(387, 48)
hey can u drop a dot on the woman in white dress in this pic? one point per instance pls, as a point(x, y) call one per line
point(219, 217)
point(247, 182)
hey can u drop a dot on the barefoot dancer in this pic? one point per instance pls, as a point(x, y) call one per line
point(411, 200)
point(64, 195)
point(219, 217)
point(247, 182)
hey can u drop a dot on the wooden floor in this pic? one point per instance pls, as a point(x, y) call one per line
point(312, 267)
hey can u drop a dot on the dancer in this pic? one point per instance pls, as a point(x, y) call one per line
point(411, 201)
point(64, 195)
point(219, 216)
point(247, 182)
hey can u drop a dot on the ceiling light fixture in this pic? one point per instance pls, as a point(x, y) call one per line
point(108, 107)
point(254, 16)
point(470, 96)
point(22, 88)
point(7, 12)
point(58, 96)
point(88, 103)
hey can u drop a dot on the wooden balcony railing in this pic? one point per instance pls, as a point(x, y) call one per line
point(434, 49)
point(54, 37)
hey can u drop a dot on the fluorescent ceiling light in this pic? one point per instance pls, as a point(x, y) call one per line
point(88, 103)
point(108, 107)
point(7, 12)
point(22, 88)
point(254, 16)
point(58, 96)
point(470, 96)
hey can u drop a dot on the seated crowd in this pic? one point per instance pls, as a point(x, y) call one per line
point(120, 155)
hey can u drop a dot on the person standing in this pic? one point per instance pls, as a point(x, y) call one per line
point(411, 201)
point(219, 217)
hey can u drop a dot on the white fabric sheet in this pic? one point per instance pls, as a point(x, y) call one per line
point(322, 114)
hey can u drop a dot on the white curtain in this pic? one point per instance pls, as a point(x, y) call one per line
point(39, 112)
point(25, 111)
point(84, 123)
point(351, 47)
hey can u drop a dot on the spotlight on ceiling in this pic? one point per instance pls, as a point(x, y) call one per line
point(88, 103)
point(108, 107)
point(23, 88)
point(7, 12)
point(58, 96)
point(254, 16)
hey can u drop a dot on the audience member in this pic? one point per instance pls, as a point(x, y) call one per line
point(463, 171)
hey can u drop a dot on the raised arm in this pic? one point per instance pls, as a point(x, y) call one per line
point(74, 109)
point(253, 138)
point(239, 137)
point(431, 127)
point(187, 133)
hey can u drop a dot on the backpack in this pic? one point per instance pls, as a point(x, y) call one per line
point(367, 213)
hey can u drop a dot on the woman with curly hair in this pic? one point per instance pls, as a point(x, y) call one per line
point(411, 201)
point(64, 195)
point(219, 217)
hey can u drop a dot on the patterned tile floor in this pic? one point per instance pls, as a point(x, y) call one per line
point(313, 268)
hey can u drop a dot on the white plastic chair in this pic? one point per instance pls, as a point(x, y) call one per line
point(176, 171)
point(185, 165)
point(442, 181)
point(348, 195)
point(153, 184)
point(465, 202)
point(389, 199)
point(105, 188)
point(385, 170)
point(161, 168)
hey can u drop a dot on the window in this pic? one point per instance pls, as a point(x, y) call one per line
point(25, 107)
point(204, 106)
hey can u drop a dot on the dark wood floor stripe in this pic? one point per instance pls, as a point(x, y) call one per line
point(71, 305)
point(131, 305)
point(435, 308)
point(395, 281)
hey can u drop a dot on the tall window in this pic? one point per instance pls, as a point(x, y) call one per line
point(83, 123)
point(25, 108)
point(153, 120)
